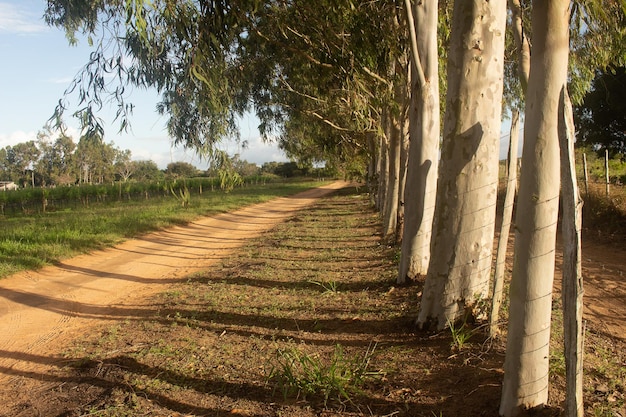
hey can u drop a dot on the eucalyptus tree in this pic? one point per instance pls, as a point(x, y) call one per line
point(463, 228)
point(146, 170)
point(517, 82)
point(55, 164)
point(526, 365)
point(424, 132)
point(597, 33)
point(24, 157)
point(123, 164)
point(211, 61)
point(94, 160)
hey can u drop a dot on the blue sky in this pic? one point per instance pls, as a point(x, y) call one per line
point(38, 65)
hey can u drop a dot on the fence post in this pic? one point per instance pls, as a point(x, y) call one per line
point(586, 174)
point(606, 170)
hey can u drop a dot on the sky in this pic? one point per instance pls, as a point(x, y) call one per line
point(38, 64)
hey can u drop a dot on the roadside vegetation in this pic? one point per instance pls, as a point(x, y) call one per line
point(31, 239)
point(604, 217)
point(306, 320)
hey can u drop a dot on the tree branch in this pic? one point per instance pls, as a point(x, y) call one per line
point(414, 49)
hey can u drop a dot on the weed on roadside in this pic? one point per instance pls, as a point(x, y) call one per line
point(301, 375)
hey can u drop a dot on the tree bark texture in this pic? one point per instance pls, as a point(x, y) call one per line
point(525, 384)
point(372, 171)
point(463, 229)
point(424, 131)
point(383, 171)
point(390, 214)
point(572, 286)
point(404, 158)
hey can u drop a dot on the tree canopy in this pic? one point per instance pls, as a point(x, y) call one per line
point(601, 117)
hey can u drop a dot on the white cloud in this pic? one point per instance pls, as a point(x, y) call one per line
point(20, 136)
point(18, 21)
point(16, 137)
point(259, 152)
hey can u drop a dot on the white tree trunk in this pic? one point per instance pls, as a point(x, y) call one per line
point(390, 214)
point(404, 158)
point(572, 286)
point(607, 177)
point(395, 120)
point(463, 228)
point(507, 215)
point(383, 171)
point(424, 131)
point(526, 364)
point(523, 49)
point(372, 171)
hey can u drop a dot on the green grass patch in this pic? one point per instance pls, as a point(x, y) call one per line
point(301, 375)
point(33, 241)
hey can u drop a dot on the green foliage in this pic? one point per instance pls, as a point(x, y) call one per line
point(181, 193)
point(181, 170)
point(601, 117)
point(597, 39)
point(229, 179)
point(144, 171)
point(596, 168)
point(300, 375)
point(461, 334)
point(331, 287)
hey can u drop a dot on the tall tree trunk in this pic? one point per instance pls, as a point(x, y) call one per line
point(372, 170)
point(572, 287)
point(383, 170)
point(523, 52)
point(463, 228)
point(424, 132)
point(507, 215)
point(526, 364)
point(390, 216)
point(390, 213)
point(404, 157)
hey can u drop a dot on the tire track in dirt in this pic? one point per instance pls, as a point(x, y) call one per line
point(41, 311)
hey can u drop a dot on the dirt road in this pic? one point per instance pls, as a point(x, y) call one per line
point(41, 310)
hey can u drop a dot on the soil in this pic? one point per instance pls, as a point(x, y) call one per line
point(46, 314)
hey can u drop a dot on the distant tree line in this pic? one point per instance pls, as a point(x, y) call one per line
point(59, 161)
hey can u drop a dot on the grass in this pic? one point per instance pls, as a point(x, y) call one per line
point(329, 287)
point(33, 241)
point(605, 375)
point(461, 333)
point(298, 374)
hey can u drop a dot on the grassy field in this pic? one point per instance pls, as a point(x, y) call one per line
point(305, 321)
point(36, 240)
